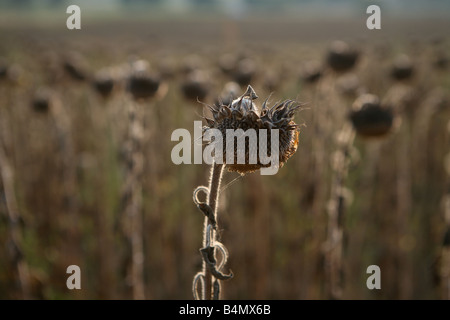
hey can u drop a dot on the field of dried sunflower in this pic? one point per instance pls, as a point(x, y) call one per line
point(87, 178)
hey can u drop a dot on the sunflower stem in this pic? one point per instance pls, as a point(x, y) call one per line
point(209, 236)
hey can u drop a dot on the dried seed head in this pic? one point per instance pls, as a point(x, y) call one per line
point(243, 113)
point(42, 100)
point(196, 86)
point(369, 118)
point(104, 83)
point(142, 84)
point(341, 56)
point(402, 68)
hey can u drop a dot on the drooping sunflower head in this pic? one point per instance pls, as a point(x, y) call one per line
point(243, 119)
point(143, 83)
point(104, 83)
point(370, 118)
point(342, 57)
point(43, 100)
point(402, 68)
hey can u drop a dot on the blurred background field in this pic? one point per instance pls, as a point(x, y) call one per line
point(65, 148)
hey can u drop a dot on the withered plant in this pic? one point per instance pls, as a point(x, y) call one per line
point(241, 113)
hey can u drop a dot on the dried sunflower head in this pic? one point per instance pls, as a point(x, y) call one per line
point(142, 83)
point(42, 100)
point(341, 56)
point(370, 118)
point(403, 68)
point(104, 83)
point(196, 86)
point(241, 125)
